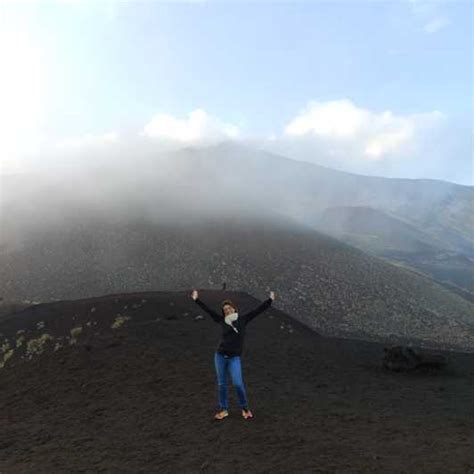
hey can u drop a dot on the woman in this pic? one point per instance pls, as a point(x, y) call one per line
point(229, 350)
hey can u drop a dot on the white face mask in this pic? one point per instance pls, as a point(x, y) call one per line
point(230, 318)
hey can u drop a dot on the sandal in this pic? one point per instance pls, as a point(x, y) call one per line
point(221, 414)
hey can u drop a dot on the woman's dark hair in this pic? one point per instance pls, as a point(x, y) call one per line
point(229, 302)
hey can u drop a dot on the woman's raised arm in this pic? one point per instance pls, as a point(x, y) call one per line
point(215, 316)
point(259, 309)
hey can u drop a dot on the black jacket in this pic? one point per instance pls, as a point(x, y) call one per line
point(232, 342)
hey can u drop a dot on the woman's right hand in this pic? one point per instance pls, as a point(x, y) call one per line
point(194, 295)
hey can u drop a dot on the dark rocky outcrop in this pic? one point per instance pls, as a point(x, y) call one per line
point(401, 358)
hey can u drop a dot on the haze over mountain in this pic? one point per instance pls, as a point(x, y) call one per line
point(246, 176)
point(201, 216)
point(218, 178)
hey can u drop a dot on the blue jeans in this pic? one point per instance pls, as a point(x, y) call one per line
point(233, 365)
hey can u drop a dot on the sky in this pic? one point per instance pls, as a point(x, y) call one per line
point(379, 88)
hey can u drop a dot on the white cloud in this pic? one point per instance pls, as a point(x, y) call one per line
point(198, 127)
point(343, 136)
point(355, 132)
point(437, 24)
point(337, 119)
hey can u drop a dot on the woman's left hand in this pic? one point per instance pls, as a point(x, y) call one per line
point(272, 295)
